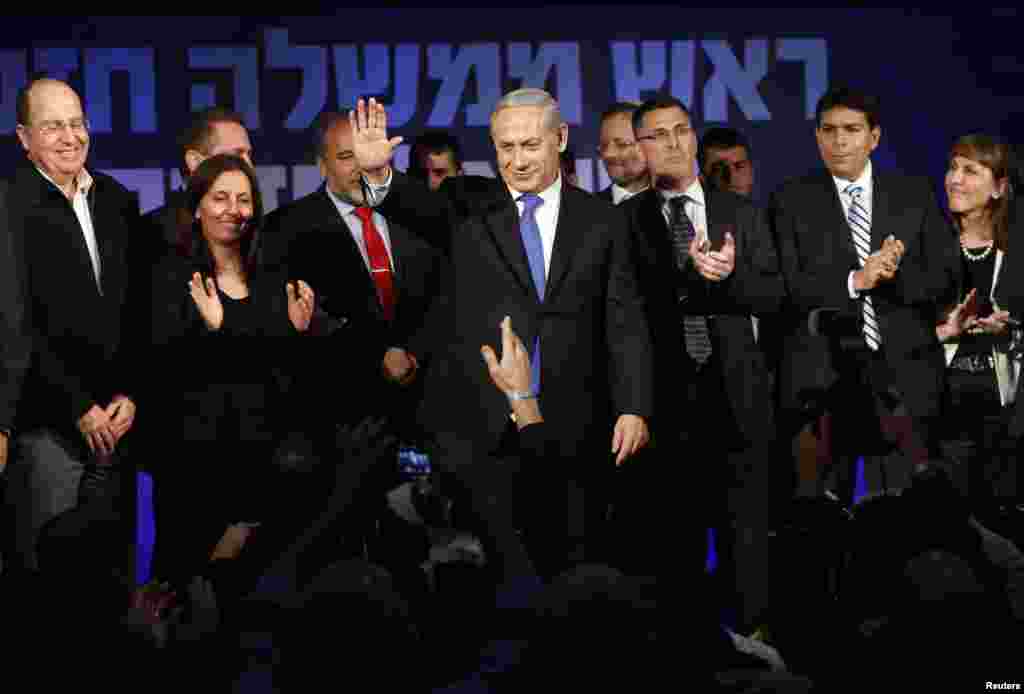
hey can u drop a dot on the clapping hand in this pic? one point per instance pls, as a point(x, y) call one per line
point(370, 142)
point(994, 324)
point(301, 302)
point(716, 265)
point(204, 294)
point(959, 320)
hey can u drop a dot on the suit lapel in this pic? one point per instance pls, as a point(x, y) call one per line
point(880, 201)
point(335, 225)
point(105, 246)
point(502, 221)
point(716, 233)
point(654, 229)
point(568, 235)
point(834, 210)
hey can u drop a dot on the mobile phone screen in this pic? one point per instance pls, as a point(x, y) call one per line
point(412, 463)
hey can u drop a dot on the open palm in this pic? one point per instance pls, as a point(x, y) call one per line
point(370, 142)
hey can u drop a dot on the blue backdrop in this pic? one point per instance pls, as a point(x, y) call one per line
point(759, 70)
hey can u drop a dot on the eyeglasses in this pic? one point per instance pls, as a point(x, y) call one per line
point(665, 137)
point(52, 128)
point(617, 145)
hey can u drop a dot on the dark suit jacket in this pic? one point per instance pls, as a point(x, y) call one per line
point(817, 254)
point(14, 339)
point(309, 240)
point(79, 357)
point(755, 287)
point(595, 345)
point(605, 194)
point(160, 228)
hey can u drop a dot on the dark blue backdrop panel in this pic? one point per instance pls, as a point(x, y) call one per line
point(758, 70)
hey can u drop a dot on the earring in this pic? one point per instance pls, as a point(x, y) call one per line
point(995, 196)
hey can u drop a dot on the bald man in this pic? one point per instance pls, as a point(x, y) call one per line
point(72, 227)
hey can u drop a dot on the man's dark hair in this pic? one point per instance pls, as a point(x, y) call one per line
point(721, 138)
point(656, 104)
point(853, 99)
point(326, 121)
point(626, 108)
point(433, 142)
point(191, 241)
point(200, 132)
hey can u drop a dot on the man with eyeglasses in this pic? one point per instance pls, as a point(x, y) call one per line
point(705, 265)
point(71, 228)
point(623, 159)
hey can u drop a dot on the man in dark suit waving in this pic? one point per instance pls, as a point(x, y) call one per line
point(706, 263)
point(870, 247)
point(554, 259)
point(370, 273)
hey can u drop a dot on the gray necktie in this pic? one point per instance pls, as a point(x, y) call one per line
point(695, 328)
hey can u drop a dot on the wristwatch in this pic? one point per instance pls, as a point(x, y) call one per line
point(520, 395)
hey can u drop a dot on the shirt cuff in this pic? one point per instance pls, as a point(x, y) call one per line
point(378, 191)
point(854, 294)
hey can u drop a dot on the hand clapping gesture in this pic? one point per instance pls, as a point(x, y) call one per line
point(301, 302)
point(204, 294)
point(370, 142)
point(716, 265)
point(959, 320)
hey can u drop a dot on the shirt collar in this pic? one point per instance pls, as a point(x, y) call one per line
point(695, 192)
point(864, 181)
point(549, 195)
point(83, 181)
point(619, 193)
point(344, 206)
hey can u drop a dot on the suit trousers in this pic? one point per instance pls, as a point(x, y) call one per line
point(48, 475)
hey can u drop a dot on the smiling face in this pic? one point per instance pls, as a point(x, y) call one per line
point(971, 187)
point(622, 156)
point(225, 207)
point(60, 152)
point(527, 147)
point(845, 141)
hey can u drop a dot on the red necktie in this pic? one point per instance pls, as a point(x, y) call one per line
point(380, 266)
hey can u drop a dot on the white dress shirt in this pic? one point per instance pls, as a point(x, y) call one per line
point(546, 216)
point(696, 209)
point(80, 203)
point(355, 226)
point(864, 181)
point(620, 194)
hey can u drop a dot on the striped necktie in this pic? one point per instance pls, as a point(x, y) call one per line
point(859, 220)
point(695, 328)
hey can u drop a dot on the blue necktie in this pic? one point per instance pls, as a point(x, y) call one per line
point(530, 233)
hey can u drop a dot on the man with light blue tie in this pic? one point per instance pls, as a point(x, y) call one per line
point(558, 262)
point(871, 248)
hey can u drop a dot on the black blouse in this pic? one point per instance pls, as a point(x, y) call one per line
point(978, 275)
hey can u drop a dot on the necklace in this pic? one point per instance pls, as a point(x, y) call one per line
point(974, 256)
